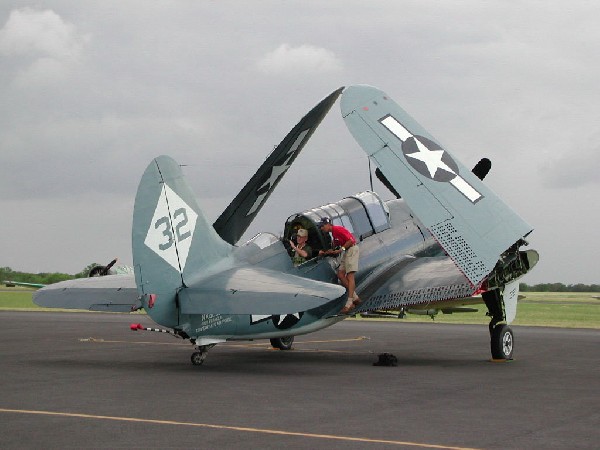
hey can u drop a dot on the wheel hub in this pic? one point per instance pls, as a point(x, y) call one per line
point(507, 343)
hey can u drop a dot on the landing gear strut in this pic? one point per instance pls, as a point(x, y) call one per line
point(502, 340)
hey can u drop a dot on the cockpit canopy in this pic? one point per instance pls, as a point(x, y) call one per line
point(363, 214)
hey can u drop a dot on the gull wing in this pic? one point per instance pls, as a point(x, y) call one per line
point(240, 213)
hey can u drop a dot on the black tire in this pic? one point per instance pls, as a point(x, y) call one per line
point(502, 342)
point(284, 343)
point(198, 358)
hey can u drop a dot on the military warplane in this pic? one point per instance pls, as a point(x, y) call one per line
point(449, 241)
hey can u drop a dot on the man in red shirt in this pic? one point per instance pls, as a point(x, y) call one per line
point(343, 244)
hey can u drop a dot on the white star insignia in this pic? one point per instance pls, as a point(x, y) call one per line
point(282, 318)
point(432, 158)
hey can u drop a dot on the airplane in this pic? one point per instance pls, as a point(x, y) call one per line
point(11, 283)
point(110, 269)
point(444, 242)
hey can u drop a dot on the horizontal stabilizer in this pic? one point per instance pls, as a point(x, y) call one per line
point(114, 293)
point(469, 221)
point(256, 291)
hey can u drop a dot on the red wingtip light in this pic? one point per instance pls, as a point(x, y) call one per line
point(136, 326)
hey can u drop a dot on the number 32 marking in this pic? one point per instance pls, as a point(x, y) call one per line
point(180, 232)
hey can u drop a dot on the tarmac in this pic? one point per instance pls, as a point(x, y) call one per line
point(84, 380)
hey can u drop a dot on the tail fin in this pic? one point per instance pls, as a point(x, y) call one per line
point(171, 239)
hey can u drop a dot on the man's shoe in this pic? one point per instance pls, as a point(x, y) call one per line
point(346, 309)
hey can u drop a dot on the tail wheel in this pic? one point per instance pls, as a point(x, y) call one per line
point(284, 343)
point(502, 342)
point(198, 358)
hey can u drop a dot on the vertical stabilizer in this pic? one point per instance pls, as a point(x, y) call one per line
point(171, 239)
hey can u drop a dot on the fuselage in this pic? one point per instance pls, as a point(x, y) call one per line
point(384, 231)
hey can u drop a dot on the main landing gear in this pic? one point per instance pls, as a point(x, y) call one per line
point(284, 343)
point(502, 340)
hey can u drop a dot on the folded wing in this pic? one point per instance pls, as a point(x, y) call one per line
point(240, 213)
point(469, 221)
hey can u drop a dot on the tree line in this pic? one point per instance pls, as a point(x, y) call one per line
point(559, 287)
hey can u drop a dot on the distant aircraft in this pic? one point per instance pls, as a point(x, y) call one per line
point(110, 269)
point(10, 283)
point(449, 241)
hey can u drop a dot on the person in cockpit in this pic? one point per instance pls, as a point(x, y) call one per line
point(301, 251)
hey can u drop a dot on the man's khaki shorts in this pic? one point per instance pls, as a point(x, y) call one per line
point(349, 261)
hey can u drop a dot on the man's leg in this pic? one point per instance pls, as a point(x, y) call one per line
point(351, 284)
point(343, 278)
point(351, 266)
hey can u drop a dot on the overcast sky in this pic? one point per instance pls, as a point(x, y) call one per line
point(92, 91)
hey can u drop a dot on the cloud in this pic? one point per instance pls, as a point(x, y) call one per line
point(578, 168)
point(81, 117)
point(305, 59)
point(45, 43)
